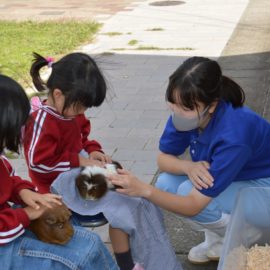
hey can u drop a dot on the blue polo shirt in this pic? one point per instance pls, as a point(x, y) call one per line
point(236, 143)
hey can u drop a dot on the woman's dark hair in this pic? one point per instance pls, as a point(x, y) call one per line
point(14, 112)
point(200, 79)
point(76, 75)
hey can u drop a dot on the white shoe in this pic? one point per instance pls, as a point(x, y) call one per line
point(214, 251)
point(208, 250)
point(197, 255)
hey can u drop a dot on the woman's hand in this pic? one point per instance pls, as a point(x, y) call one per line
point(95, 155)
point(36, 200)
point(130, 184)
point(198, 174)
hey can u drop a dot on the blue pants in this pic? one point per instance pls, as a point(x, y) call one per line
point(85, 251)
point(223, 203)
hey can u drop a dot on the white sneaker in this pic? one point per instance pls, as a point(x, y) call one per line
point(208, 250)
point(197, 255)
point(214, 251)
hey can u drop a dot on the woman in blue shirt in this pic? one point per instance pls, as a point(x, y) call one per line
point(229, 148)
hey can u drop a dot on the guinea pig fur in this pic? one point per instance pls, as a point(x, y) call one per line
point(53, 226)
point(92, 183)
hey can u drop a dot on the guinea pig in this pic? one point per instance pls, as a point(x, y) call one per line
point(92, 182)
point(53, 226)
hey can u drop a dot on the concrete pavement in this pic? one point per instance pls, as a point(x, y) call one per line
point(131, 121)
point(62, 9)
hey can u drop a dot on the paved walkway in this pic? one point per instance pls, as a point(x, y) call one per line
point(62, 9)
point(138, 47)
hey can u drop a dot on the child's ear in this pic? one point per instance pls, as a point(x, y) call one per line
point(57, 93)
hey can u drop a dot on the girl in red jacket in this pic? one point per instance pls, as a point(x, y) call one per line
point(14, 109)
point(18, 246)
point(56, 137)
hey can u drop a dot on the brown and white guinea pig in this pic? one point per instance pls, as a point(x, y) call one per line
point(53, 226)
point(92, 182)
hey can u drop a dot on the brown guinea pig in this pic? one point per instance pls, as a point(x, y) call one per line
point(92, 182)
point(53, 226)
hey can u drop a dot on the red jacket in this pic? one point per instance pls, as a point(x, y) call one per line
point(12, 221)
point(52, 144)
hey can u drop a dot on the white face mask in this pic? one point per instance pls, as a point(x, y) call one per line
point(182, 123)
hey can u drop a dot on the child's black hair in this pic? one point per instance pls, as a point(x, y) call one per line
point(14, 112)
point(200, 79)
point(76, 75)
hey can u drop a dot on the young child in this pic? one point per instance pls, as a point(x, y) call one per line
point(229, 148)
point(56, 136)
point(19, 248)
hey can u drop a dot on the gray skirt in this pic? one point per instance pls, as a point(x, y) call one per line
point(139, 218)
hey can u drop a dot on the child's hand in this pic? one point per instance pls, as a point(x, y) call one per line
point(36, 200)
point(199, 175)
point(90, 162)
point(34, 213)
point(95, 155)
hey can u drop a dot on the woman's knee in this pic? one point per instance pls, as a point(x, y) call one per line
point(161, 182)
point(185, 188)
point(169, 182)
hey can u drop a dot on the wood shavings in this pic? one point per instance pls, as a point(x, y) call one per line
point(236, 259)
point(254, 258)
point(258, 258)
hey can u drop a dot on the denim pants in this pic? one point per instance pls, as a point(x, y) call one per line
point(223, 203)
point(84, 251)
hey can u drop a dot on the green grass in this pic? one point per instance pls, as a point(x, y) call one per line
point(112, 34)
point(133, 42)
point(107, 53)
point(52, 38)
point(150, 48)
point(155, 29)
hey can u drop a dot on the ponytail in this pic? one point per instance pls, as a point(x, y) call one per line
point(38, 62)
point(231, 92)
point(77, 76)
point(200, 79)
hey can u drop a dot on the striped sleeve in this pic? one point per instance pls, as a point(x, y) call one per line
point(42, 157)
point(85, 127)
point(12, 224)
point(12, 221)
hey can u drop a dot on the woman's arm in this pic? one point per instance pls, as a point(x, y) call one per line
point(172, 164)
point(197, 172)
point(189, 205)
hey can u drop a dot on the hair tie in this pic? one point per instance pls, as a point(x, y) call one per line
point(50, 61)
